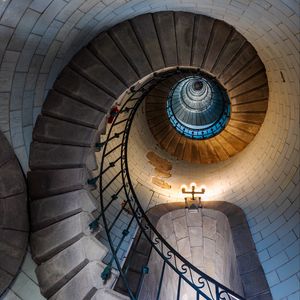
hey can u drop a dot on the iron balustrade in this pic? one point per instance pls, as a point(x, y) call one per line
point(125, 221)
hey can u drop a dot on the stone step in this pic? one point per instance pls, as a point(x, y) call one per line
point(13, 212)
point(13, 245)
point(202, 28)
point(219, 36)
point(59, 106)
point(49, 241)
point(5, 279)
point(74, 85)
point(255, 95)
point(47, 211)
point(86, 63)
point(245, 55)
point(44, 183)
point(107, 51)
point(164, 24)
point(126, 39)
point(231, 50)
point(184, 24)
point(252, 83)
point(50, 130)
point(6, 153)
point(54, 273)
point(11, 179)
point(252, 68)
point(108, 294)
point(91, 162)
point(55, 156)
point(85, 284)
point(145, 30)
point(233, 140)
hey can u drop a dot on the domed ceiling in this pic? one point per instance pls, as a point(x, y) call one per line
point(210, 114)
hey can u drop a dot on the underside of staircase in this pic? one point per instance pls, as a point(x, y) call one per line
point(62, 154)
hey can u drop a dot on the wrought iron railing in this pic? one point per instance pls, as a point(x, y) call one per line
point(126, 223)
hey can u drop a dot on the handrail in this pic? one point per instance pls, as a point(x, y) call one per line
point(131, 210)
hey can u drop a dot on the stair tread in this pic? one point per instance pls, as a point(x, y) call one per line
point(146, 32)
point(127, 41)
point(164, 23)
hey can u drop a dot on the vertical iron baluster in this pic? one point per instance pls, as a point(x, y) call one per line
point(179, 286)
point(217, 293)
point(161, 280)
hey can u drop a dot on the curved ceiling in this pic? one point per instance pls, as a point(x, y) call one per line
point(248, 112)
point(263, 179)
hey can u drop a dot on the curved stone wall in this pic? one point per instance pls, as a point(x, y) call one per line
point(264, 180)
point(203, 238)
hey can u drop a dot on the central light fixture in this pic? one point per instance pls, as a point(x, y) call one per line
point(198, 107)
point(192, 204)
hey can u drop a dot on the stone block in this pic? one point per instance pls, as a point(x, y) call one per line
point(5, 279)
point(61, 132)
point(194, 219)
point(48, 15)
point(209, 248)
point(196, 236)
point(11, 179)
point(184, 248)
point(47, 242)
point(26, 288)
point(47, 211)
point(242, 239)
point(59, 106)
point(54, 273)
point(197, 257)
point(263, 296)
point(11, 257)
point(180, 227)
point(127, 41)
point(91, 161)
point(17, 239)
point(55, 156)
point(254, 283)
point(45, 183)
point(248, 262)
point(78, 87)
point(144, 28)
point(6, 153)
point(13, 212)
point(14, 12)
point(89, 65)
point(108, 52)
point(209, 227)
point(84, 284)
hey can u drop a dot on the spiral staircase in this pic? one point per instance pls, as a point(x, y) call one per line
point(76, 200)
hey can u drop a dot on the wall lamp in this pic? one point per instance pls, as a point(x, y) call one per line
point(192, 204)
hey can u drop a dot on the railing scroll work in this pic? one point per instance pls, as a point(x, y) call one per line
point(126, 223)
